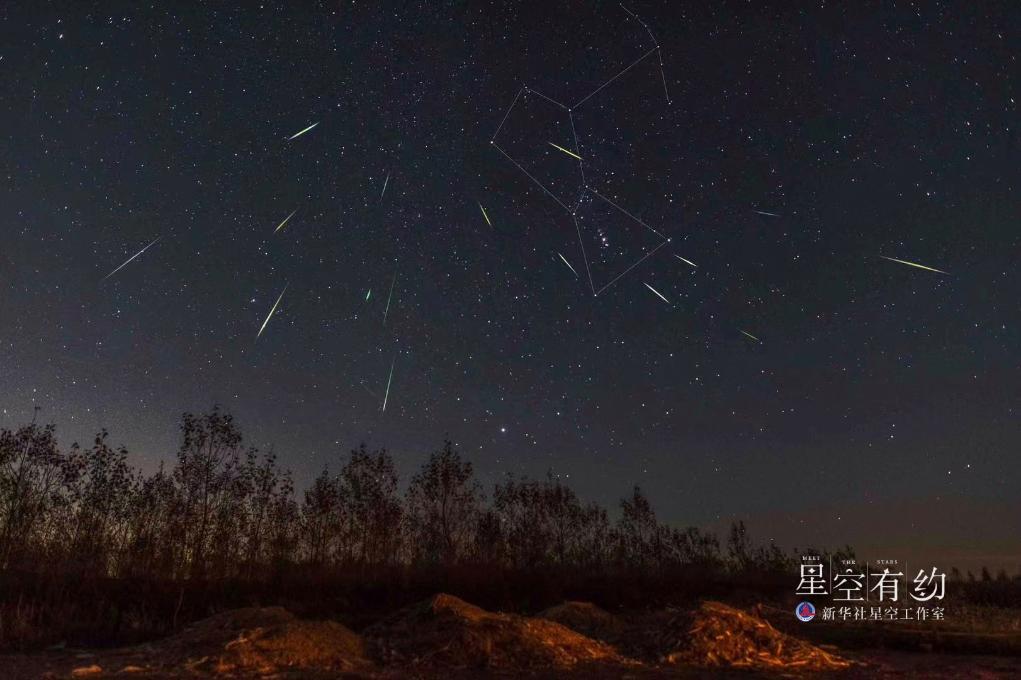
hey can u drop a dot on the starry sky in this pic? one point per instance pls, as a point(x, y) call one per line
point(792, 377)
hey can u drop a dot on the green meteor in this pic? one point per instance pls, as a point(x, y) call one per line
point(272, 311)
point(568, 152)
point(299, 134)
point(286, 219)
point(913, 264)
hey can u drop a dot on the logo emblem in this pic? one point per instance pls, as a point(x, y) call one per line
point(805, 611)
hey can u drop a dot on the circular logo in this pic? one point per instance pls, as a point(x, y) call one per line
point(805, 611)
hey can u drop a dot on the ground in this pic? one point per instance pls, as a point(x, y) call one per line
point(445, 637)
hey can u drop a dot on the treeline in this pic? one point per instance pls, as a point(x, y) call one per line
point(226, 511)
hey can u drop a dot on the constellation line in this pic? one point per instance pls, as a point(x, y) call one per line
point(659, 52)
point(625, 212)
point(621, 275)
point(584, 255)
point(581, 166)
point(508, 112)
point(530, 177)
point(631, 66)
point(549, 99)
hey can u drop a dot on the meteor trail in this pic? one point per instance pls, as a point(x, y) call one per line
point(367, 295)
point(272, 311)
point(485, 215)
point(281, 225)
point(131, 258)
point(385, 182)
point(763, 212)
point(387, 310)
point(567, 263)
point(685, 261)
point(660, 295)
point(299, 134)
point(913, 264)
point(750, 335)
point(569, 153)
point(388, 380)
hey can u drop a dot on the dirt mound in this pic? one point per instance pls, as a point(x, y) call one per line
point(250, 641)
point(446, 632)
point(320, 645)
point(585, 618)
point(719, 635)
point(210, 635)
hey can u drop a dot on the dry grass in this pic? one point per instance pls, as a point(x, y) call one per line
point(587, 619)
point(447, 632)
point(242, 643)
point(720, 635)
point(320, 645)
point(446, 637)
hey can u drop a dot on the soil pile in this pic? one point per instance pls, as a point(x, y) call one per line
point(318, 645)
point(446, 632)
point(719, 635)
point(245, 642)
point(587, 619)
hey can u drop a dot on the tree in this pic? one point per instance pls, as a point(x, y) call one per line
point(155, 529)
point(525, 531)
point(266, 489)
point(370, 508)
point(738, 547)
point(101, 490)
point(321, 519)
point(207, 475)
point(696, 547)
point(227, 511)
point(443, 504)
point(643, 541)
point(31, 476)
point(545, 523)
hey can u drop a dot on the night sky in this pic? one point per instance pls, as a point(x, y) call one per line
point(794, 377)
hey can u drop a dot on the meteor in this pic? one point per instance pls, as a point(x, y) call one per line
point(568, 152)
point(272, 311)
point(286, 219)
point(567, 263)
point(131, 258)
point(388, 380)
point(388, 297)
point(368, 294)
point(660, 295)
point(299, 134)
point(763, 212)
point(913, 264)
point(685, 261)
point(750, 335)
point(485, 215)
point(385, 182)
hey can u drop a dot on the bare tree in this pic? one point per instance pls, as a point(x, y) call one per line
point(643, 541)
point(207, 474)
point(321, 519)
point(262, 488)
point(155, 530)
point(224, 510)
point(370, 507)
point(545, 523)
point(100, 488)
point(443, 505)
point(31, 472)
